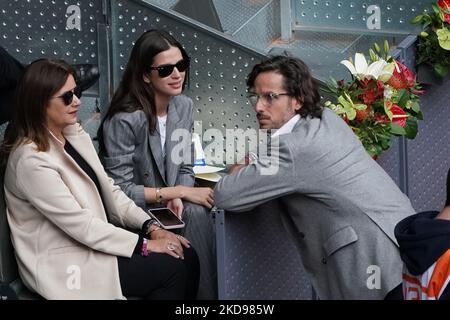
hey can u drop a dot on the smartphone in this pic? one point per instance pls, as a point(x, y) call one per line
point(166, 218)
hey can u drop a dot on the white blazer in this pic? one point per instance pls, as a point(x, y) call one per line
point(64, 245)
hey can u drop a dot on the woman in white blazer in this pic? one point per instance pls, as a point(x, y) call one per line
point(75, 234)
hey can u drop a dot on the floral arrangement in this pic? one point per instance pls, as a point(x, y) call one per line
point(434, 40)
point(381, 99)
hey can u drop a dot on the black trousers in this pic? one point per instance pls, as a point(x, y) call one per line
point(160, 276)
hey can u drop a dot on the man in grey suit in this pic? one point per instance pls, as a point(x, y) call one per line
point(340, 206)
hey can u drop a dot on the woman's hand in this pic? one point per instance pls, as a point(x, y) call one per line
point(202, 196)
point(176, 205)
point(164, 241)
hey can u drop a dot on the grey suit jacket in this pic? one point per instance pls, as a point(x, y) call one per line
point(340, 207)
point(134, 157)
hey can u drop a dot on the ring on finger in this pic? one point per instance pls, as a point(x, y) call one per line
point(171, 246)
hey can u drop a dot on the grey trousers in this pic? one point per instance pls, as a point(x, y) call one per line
point(200, 231)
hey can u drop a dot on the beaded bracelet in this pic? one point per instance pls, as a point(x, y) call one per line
point(144, 251)
point(159, 197)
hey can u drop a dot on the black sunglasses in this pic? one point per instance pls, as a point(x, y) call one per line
point(68, 96)
point(166, 70)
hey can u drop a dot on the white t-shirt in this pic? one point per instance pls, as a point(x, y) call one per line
point(162, 131)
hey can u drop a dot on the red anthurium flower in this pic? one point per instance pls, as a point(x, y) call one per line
point(380, 87)
point(399, 115)
point(365, 82)
point(402, 78)
point(381, 118)
point(415, 91)
point(362, 114)
point(445, 4)
point(369, 96)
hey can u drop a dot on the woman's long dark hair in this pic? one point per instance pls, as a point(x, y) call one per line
point(133, 93)
point(41, 80)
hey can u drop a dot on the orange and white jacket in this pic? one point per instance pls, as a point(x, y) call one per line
point(425, 250)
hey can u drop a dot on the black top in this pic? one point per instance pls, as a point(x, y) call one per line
point(91, 173)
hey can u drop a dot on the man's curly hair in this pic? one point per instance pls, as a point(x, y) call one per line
point(298, 81)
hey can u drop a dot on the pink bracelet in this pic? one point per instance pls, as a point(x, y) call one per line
point(144, 247)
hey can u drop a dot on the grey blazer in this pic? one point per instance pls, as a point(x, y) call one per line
point(134, 158)
point(340, 207)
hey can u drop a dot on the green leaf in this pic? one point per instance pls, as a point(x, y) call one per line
point(417, 19)
point(360, 106)
point(397, 129)
point(373, 55)
point(344, 102)
point(403, 97)
point(411, 128)
point(436, 8)
point(414, 105)
point(419, 115)
point(440, 70)
point(386, 47)
point(376, 47)
point(386, 144)
point(351, 114)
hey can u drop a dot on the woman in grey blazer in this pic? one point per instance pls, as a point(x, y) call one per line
point(146, 147)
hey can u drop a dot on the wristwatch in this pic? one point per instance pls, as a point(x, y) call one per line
point(152, 222)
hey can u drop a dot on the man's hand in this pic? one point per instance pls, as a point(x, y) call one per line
point(249, 158)
point(235, 168)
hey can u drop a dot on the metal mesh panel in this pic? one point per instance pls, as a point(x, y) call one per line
point(261, 30)
point(34, 29)
point(31, 30)
point(167, 4)
point(262, 267)
point(352, 14)
point(429, 153)
point(218, 68)
point(323, 51)
point(390, 161)
point(234, 14)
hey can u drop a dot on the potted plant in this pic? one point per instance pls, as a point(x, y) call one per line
point(433, 48)
point(379, 101)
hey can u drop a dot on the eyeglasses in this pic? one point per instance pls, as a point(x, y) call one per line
point(68, 96)
point(267, 98)
point(166, 70)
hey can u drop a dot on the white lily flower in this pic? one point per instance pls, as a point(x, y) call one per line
point(362, 70)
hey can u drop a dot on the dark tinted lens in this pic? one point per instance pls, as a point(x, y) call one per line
point(165, 71)
point(77, 92)
point(67, 97)
point(182, 65)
